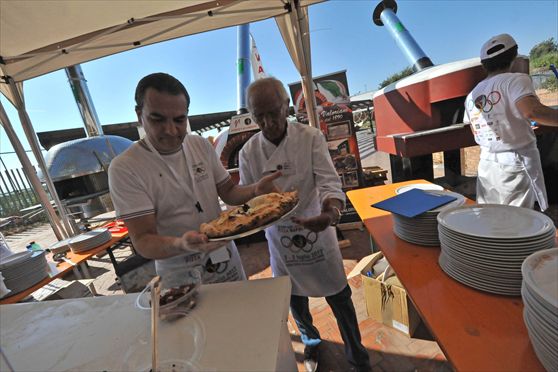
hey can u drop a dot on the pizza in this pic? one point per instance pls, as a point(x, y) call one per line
point(257, 212)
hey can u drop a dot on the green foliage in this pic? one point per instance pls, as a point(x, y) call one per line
point(551, 84)
point(395, 77)
point(543, 55)
point(542, 48)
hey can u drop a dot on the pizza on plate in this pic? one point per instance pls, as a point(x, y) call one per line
point(257, 212)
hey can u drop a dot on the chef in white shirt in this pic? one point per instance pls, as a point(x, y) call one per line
point(165, 185)
point(500, 110)
point(306, 247)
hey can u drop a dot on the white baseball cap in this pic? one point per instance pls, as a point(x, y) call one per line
point(497, 45)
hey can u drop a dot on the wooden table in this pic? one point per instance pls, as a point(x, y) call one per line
point(241, 326)
point(476, 330)
point(58, 270)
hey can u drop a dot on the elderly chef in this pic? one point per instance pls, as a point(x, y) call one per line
point(305, 248)
point(166, 184)
point(500, 109)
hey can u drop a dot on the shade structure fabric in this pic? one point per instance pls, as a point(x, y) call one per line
point(38, 37)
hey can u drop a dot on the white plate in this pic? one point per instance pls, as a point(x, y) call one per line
point(420, 186)
point(495, 221)
point(14, 259)
point(540, 272)
point(257, 229)
point(459, 201)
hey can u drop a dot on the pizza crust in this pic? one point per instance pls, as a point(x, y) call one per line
point(255, 213)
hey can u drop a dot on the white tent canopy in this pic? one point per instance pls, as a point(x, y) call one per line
point(38, 37)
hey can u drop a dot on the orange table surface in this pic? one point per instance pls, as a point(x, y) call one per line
point(476, 330)
point(64, 267)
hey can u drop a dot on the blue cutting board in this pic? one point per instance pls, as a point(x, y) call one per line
point(413, 202)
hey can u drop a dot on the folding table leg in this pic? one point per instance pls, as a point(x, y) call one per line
point(85, 270)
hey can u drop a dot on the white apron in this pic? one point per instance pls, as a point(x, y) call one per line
point(312, 260)
point(224, 271)
point(512, 178)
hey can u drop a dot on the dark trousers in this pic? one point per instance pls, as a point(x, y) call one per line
point(344, 311)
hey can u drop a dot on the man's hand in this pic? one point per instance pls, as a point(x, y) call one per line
point(265, 185)
point(316, 224)
point(198, 242)
point(330, 215)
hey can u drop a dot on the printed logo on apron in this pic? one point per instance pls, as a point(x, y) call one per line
point(286, 168)
point(220, 272)
point(300, 242)
point(200, 172)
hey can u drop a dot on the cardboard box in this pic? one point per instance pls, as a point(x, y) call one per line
point(386, 302)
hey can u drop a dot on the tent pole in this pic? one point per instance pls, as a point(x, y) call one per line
point(33, 142)
point(299, 21)
point(28, 168)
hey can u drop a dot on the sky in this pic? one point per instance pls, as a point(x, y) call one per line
point(342, 37)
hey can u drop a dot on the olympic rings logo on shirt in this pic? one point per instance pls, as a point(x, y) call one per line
point(485, 103)
point(300, 242)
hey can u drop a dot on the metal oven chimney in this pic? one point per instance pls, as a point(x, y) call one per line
point(384, 14)
point(83, 99)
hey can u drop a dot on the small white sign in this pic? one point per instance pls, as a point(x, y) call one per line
point(220, 255)
point(242, 123)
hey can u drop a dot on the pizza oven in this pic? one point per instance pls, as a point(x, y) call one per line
point(78, 167)
point(423, 113)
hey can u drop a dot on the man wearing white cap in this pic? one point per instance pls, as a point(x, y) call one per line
point(500, 109)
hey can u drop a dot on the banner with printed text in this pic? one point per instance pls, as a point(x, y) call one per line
point(336, 122)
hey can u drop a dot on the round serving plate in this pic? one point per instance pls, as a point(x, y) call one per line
point(548, 235)
point(503, 253)
point(418, 241)
point(257, 229)
point(543, 333)
point(61, 246)
point(459, 201)
point(483, 284)
point(540, 272)
point(420, 186)
point(495, 221)
point(89, 240)
point(14, 259)
point(543, 352)
point(538, 304)
point(497, 251)
point(497, 274)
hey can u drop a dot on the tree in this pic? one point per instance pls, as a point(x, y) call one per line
point(542, 48)
point(395, 77)
point(544, 54)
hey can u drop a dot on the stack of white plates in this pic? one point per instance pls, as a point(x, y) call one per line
point(89, 240)
point(540, 298)
point(484, 245)
point(423, 229)
point(23, 270)
point(61, 246)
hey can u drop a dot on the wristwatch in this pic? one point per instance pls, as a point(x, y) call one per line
point(336, 221)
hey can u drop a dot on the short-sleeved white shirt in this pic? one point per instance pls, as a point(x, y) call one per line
point(141, 184)
point(495, 120)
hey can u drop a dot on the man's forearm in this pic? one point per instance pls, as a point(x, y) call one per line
point(237, 195)
point(544, 115)
point(157, 247)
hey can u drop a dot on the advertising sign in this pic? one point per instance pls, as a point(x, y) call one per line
point(242, 123)
point(336, 122)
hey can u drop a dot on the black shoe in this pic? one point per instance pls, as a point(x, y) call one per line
point(311, 358)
